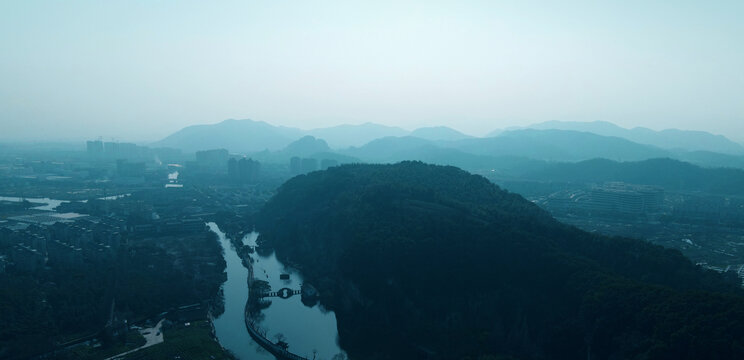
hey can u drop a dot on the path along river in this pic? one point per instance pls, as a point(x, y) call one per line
point(306, 329)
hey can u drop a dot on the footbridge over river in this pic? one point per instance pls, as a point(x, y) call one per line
point(283, 293)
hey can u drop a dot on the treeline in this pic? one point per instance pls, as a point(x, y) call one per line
point(430, 261)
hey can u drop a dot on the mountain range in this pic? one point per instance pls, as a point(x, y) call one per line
point(550, 141)
point(234, 135)
point(343, 136)
point(439, 133)
point(559, 145)
point(250, 136)
point(671, 139)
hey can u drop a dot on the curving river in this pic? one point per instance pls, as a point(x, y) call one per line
point(310, 331)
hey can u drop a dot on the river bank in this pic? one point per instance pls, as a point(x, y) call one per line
point(310, 331)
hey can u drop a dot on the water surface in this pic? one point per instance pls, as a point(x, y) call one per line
point(306, 329)
point(48, 204)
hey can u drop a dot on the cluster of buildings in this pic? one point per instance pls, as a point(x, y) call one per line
point(240, 169)
point(58, 171)
point(31, 242)
point(119, 150)
point(63, 244)
point(170, 226)
point(114, 149)
point(209, 161)
point(626, 198)
point(243, 170)
point(610, 198)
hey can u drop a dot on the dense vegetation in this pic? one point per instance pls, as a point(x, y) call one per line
point(149, 276)
point(430, 261)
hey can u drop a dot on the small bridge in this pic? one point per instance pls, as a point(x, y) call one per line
point(283, 293)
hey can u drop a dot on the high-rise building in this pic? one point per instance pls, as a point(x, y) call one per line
point(212, 160)
point(94, 147)
point(243, 170)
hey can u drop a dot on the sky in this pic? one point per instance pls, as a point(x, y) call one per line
point(140, 70)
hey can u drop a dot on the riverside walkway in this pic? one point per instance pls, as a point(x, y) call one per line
point(276, 350)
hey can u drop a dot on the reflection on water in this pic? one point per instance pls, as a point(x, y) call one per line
point(306, 329)
point(52, 204)
point(230, 326)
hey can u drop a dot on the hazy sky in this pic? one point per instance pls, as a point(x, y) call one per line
point(139, 70)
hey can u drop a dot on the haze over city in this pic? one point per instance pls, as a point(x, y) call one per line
point(382, 180)
point(139, 71)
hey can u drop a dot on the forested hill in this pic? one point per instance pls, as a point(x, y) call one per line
point(428, 261)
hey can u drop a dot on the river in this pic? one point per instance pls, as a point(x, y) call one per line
point(305, 328)
point(48, 204)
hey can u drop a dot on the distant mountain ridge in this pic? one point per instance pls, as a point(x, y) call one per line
point(474, 153)
point(558, 145)
point(670, 139)
point(247, 136)
point(305, 146)
point(442, 145)
point(439, 133)
point(252, 136)
point(343, 136)
point(234, 135)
